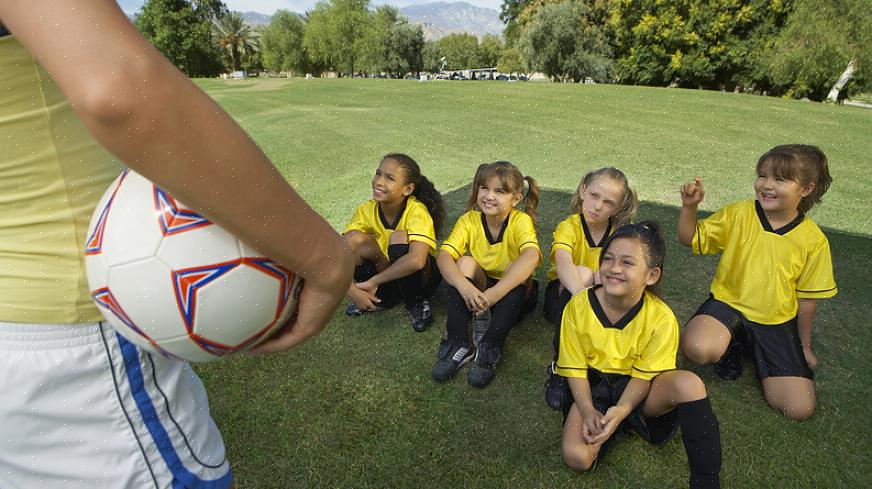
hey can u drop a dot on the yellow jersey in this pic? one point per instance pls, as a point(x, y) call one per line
point(414, 219)
point(52, 174)
point(762, 271)
point(493, 254)
point(573, 235)
point(642, 344)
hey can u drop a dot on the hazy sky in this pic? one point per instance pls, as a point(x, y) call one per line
point(270, 6)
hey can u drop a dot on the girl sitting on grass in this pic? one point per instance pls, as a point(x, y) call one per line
point(393, 236)
point(488, 262)
point(775, 263)
point(618, 346)
point(603, 202)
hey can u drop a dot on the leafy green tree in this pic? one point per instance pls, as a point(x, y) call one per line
point(235, 37)
point(431, 56)
point(563, 43)
point(336, 33)
point(181, 30)
point(282, 41)
point(822, 40)
point(461, 50)
point(511, 61)
point(489, 50)
point(403, 48)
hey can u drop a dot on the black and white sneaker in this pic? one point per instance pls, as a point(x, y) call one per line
point(450, 357)
point(480, 324)
point(485, 366)
point(353, 311)
point(421, 314)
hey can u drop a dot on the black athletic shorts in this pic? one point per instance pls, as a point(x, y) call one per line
point(775, 348)
point(555, 302)
point(606, 390)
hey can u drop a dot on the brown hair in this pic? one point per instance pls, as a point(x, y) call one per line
point(802, 163)
point(627, 206)
point(650, 235)
point(511, 178)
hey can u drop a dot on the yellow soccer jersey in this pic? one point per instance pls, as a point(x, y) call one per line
point(762, 272)
point(470, 234)
point(573, 236)
point(643, 344)
point(415, 220)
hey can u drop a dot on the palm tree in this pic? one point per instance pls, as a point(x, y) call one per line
point(230, 32)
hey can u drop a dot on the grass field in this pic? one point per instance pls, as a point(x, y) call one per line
point(356, 407)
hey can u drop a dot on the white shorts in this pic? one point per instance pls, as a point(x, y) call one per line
point(82, 407)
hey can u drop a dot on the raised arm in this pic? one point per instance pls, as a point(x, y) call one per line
point(691, 195)
point(156, 121)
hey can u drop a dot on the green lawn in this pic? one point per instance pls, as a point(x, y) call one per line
point(356, 407)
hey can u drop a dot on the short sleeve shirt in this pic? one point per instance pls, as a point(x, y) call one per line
point(414, 219)
point(573, 235)
point(763, 271)
point(493, 254)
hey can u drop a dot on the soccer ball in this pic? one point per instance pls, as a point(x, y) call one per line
point(174, 283)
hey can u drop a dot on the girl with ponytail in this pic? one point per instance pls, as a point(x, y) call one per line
point(488, 262)
point(393, 238)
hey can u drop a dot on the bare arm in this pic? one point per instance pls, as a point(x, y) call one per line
point(805, 322)
point(567, 272)
point(691, 195)
point(406, 265)
point(634, 394)
point(155, 120)
point(516, 273)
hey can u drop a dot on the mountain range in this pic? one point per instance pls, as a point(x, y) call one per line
point(437, 19)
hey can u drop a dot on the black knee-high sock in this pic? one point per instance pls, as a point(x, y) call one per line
point(702, 442)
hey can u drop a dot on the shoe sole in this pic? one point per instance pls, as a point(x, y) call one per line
point(454, 372)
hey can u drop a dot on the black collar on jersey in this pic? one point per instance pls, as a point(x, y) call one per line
point(487, 233)
point(764, 221)
point(588, 236)
point(601, 314)
point(4, 31)
point(383, 219)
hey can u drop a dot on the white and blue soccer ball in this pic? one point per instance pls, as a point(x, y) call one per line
point(174, 283)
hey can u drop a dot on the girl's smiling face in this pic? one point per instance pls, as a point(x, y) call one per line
point(601, 199)
point(778, 194)
point(494, 199)
point(624, 269)
point(389, 183)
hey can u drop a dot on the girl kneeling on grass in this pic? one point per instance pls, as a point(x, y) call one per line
point(603, 202)
point(775, 263)
point(392, 237)
point(618, 346)
point(493, 281)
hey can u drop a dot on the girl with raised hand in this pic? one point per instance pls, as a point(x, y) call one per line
point(488, 262)
point(602, 203)
point(775, 264)
point(618, 348)
point(393, 237)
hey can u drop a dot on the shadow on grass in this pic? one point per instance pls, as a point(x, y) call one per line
point(356, 407)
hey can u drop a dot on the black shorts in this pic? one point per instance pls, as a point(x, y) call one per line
point(530, 299)
point(606, 390)
point(775, 348)
point(407, 289)
point(555, 301)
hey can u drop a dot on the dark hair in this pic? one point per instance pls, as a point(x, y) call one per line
point(650, 235)
point(627, 206)
point(803, 163)
point(424, 191)
point(511, 177)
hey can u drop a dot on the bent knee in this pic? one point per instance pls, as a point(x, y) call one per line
point(578, 462)
point(467, 265)
point(688, 386)
point(699, 350)
point(797, 410)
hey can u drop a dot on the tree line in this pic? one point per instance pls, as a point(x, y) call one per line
point(793, 48)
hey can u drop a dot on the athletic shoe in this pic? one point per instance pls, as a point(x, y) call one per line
point(480, 324)
point(353, 311)
point(450, 357)
point(729, 367)
point(421, 314)
point(557, 392)
point(485, 366)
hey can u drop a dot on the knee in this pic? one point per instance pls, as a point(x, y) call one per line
point(467, 266)
point(697, 350)
point(398, 237)
point(797, 410)
point(688, 386)
point(578, 460)
point(355, 240)
point(586, 276)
